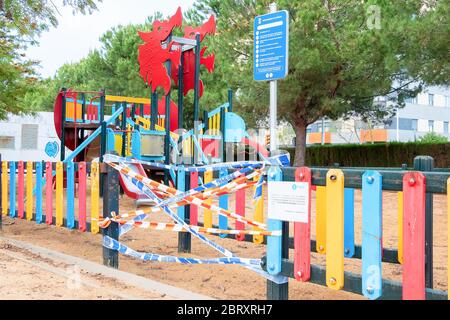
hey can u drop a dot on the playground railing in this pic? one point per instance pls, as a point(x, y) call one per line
point(334, 207)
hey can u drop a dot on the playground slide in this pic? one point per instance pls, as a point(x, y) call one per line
point(130, 189)
point(258, 147)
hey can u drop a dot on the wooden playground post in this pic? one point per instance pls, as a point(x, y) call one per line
point(111, 204)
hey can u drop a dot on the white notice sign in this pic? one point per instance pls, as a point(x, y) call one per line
point(288, 201)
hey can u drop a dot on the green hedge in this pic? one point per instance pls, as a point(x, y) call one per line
point(375, 155)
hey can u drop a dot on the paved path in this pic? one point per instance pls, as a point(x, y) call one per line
point(31, 272)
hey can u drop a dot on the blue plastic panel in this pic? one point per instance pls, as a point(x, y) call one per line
point(274, 243)
point(349, 222)
point(371, 234)
point(70, 196)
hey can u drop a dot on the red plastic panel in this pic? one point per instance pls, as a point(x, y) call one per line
point(302, 234)
point(211, 147)
point(82, 196)
point(48, 193)
point(414, 186)
point(194, 208)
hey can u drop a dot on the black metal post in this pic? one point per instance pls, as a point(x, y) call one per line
point(102, 105)
point(124, 127)
point(196, 93)
point(83, 107)
point(230, 100)
point(102, 153)
point(154, 110)
point(133, 112)
point(180, 103)
point(280, 291)
point(63, 123)
point(197, 79)
point(205, 121)
point(141, 110)
point(426, 163)
point(167, 121)
point(222, 130)
point(111, 204)
point(184, 238)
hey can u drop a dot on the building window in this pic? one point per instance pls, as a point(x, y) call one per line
point(430, 125)
point(30, 136)
point(431, 99)
point(446, 127)
point(447, 101)
point(411, 100)
point(7, 142)
point(414, 124)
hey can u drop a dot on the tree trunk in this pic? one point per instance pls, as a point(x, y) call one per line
point(300, 144)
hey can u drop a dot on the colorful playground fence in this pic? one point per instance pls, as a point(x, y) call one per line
point(35, 191)
point(335, 227)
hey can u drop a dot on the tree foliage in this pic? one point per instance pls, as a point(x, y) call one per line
point(341, 56)
point(21, 22)
point(433, 137)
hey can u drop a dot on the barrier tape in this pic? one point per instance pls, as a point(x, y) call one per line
point(259, 188)
point(151, 184)
point(178, 228)
point(113, 244)
point(148, 192)
point(105, 222)
point(277, 160)
point(213, 167)
point(213, 184)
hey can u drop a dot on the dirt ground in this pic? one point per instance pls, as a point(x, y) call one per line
point(217, 281)
point(26, 275)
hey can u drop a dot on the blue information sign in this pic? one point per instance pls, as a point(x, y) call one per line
point(271, 46)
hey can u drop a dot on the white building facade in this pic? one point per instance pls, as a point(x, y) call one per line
point(29, 138)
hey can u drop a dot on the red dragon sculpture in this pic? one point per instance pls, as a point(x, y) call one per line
point(152, 56)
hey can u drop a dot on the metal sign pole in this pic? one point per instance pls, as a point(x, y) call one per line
point(273, 103)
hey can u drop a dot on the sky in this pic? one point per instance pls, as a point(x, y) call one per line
point(77, 34)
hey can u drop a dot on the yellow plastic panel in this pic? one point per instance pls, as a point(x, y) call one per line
point(5, 188)
point(207, 215)
point(400, 226)
point(29, 177)
point(321, 219)
point(258, 215)
point(335, 229)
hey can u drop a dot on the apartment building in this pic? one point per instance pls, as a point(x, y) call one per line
point(428, 112)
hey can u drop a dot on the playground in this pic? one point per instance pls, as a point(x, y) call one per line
point(193, 209)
